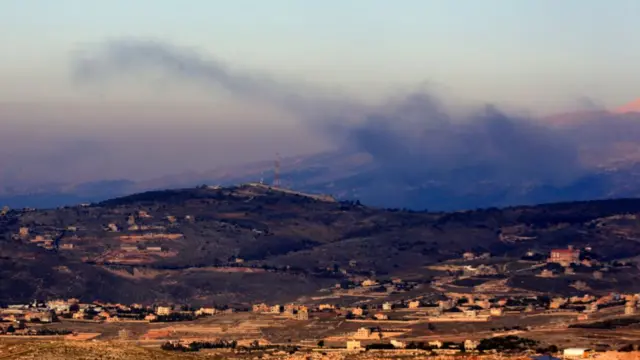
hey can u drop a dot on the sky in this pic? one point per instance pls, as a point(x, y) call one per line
point(542, 56)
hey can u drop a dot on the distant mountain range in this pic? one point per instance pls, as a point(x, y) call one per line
point(607, 143)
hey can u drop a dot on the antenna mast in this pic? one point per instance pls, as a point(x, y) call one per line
point(276, 171)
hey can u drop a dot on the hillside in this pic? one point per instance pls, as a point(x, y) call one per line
point(252, 243)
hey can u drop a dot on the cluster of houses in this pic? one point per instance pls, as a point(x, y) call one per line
point(74, 310)
point(461, 308)
point(453, 308)
point(298, 312)
point(437, 346)
point(63, 238)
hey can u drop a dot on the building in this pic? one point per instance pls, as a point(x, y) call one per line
point(564, 257)
point(398, 344)
point(381, 316)
point(387, 306)
point(23, 232)
point(415, 304)
point(357, 311)
point(630, 308)
point(209, 310)
point(44, 317)
point(78, 315)
point(576, 353)
point(163, 310)
point(290, 308)
point(471, 313)
point(496, 311)
point(302, 315)
point(58, 306)
point(445, 304)
point(369, 282)
point(354, 345)
point(112, 319)
point(363, 333)
point(468, 255)
point(104, 314)
point(259, 308)
point(470, 345)
point(587, 262)
point(275, 309)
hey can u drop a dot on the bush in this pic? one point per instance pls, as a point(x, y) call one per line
point(506, 343)
point(607, 324)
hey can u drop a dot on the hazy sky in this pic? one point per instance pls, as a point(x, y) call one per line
point(541, 52)
point(540, 55)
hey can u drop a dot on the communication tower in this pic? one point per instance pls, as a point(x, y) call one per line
point(276, 171)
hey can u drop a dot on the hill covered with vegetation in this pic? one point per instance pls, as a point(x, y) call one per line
point(255, 243)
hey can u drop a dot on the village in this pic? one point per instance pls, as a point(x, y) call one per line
point(459, 306)
point(510, 324)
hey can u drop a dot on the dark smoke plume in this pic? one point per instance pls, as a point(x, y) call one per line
point(138, 57)
point(413, 139)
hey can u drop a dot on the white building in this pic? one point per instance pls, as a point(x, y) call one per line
point(363, 333)
point(470, 345)
point(354, 345)
point(576, 353)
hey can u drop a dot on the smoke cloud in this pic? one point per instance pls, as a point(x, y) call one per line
point(411, 139)
point(138, 57)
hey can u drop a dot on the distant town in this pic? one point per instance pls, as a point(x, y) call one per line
point(381, 327)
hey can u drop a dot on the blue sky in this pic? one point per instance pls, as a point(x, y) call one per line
point(533, 53)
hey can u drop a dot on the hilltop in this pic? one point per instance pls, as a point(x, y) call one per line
point(257, 243)
point(599, 152)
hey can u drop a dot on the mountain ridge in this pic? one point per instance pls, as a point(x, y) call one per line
point(605, 165)
point(248, 243)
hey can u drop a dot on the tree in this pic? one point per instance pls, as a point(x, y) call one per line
point(321, 343)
